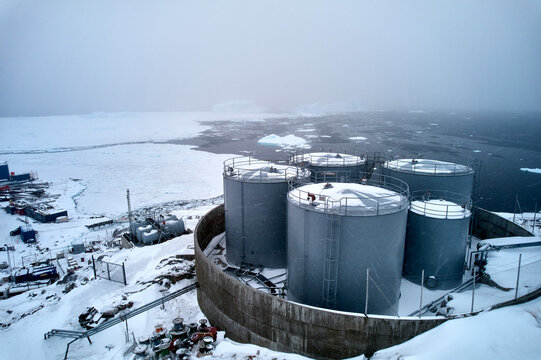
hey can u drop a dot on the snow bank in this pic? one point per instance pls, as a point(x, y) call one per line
point(509, 333)
point(228, 349)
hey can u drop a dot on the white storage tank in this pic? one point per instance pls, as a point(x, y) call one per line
point(336, 231)
point(141, 230)
point(173, 226)
point(150, 237)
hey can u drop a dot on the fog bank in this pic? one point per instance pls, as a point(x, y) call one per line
point(59, 57)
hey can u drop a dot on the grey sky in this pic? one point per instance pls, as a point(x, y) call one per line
point(83, 56)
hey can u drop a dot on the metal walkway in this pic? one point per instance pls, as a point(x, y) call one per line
point(239, 273)
point(79, 334)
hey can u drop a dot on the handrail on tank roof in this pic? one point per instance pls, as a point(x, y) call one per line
point(308, 158)
point(341, 207)
point(240, 168)
point(438, 168)
point(459, 209)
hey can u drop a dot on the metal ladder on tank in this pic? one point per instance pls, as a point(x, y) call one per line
point(330, 266)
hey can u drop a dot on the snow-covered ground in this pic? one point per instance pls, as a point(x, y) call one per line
point(90, 160)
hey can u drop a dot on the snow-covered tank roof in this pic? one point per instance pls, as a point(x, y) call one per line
point(348, 198)
point(440, 204)
point(427, 167)
point(254, 170)
point(328, 159)
point(439, 209)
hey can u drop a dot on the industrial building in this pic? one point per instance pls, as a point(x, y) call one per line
point(44, 214)
point(7, 176)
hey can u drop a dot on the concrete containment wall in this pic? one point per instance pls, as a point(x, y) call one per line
point(487, 225)
point(250, 316)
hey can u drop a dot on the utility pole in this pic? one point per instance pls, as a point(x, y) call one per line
point(129, 213)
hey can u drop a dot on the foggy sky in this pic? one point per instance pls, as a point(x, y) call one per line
point(59, 57)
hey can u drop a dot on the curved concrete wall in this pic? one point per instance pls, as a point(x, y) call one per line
point(487, 225)
point(250, 316)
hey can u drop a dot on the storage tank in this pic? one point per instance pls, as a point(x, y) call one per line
point(150, 237)
point(335, 167)
point(174, 226)
point(436, 238)
point(336, 231)
point(141, 230)
point(421, 174)
point(255, 210)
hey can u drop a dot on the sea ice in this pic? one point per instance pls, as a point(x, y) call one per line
point(288, 141)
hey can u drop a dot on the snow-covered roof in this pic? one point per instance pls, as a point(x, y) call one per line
point(348, 198)
point(439, 209)
point(254, 170)
point(427, 167)
point(328, 159)
point(26, 228)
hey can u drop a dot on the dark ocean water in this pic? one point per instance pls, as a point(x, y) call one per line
point(502, 142)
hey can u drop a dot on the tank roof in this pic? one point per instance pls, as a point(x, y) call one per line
point(255, 170)
point(427, 167)
point(439, 209)
point(440, 204)
point(329, 159)
point(348, 198)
